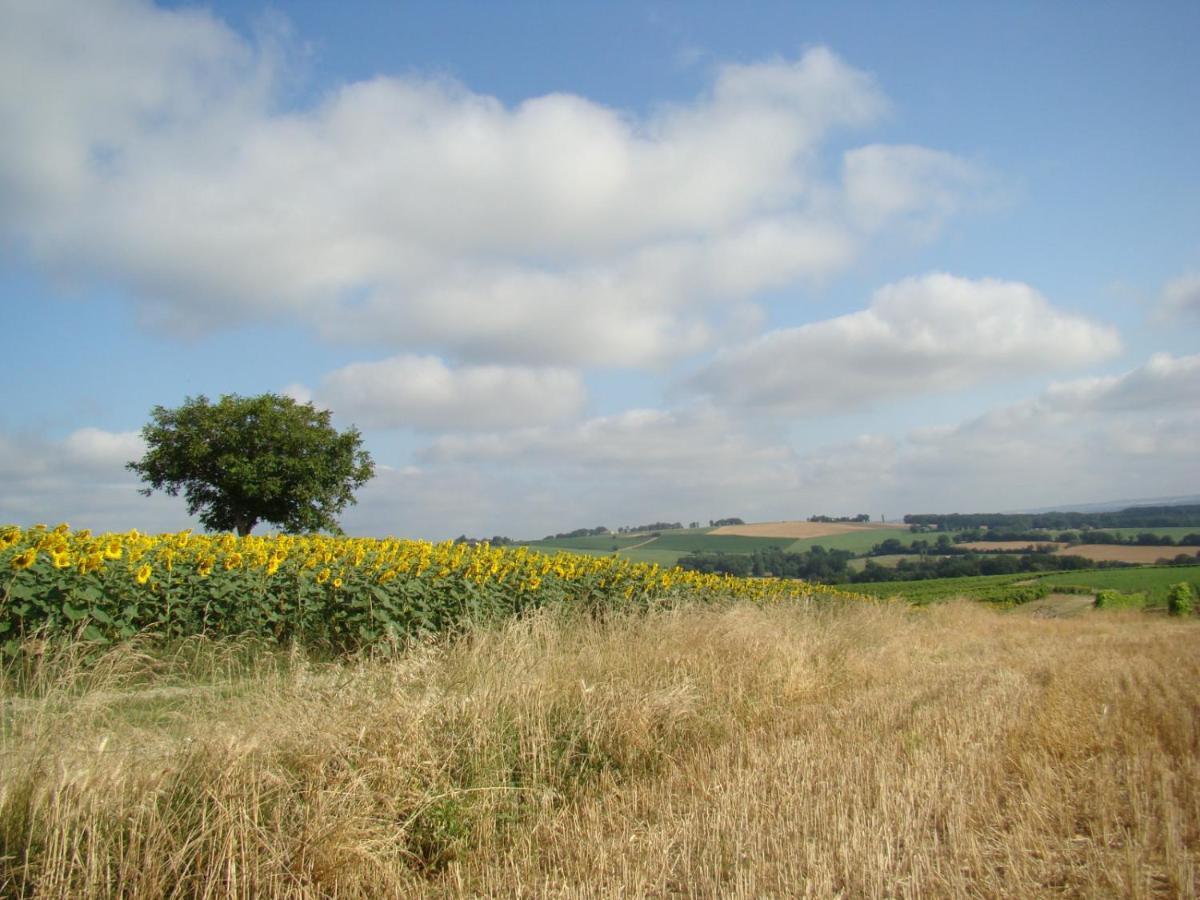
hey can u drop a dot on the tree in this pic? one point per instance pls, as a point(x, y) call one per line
point(246, 460)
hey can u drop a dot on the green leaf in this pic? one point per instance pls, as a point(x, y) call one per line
point(72, 613)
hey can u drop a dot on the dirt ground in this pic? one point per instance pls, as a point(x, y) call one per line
point(801, 530)
point(1054, 606)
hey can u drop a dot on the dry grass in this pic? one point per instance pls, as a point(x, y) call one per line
point(1125, 552)
point(867, 751)
point(801, 530)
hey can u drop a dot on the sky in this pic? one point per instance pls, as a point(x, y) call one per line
point(607, 263)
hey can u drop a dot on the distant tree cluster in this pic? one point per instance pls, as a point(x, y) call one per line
point(496, 540)
point(1133, 517)
point(578, 532)
point(721, 523)
point(653, 526)
point(1086, 536)
point(861, 517)
point(832, 566)
point(245, 460)
point(816, 564)
point(970, 565)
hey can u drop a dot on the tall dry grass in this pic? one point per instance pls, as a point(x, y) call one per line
point(703, 752)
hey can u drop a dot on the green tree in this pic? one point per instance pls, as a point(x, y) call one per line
point(245, 460)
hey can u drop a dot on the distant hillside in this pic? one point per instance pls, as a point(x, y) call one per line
point(1157, 516)
point(1114, 505)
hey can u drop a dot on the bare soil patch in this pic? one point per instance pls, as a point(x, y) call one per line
point(984, 546)
point(1053, 606)
point(1123, 553)
point(801, 530)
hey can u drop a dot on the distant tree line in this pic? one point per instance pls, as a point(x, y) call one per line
point(578, 532)
point(1132, 517)
point(970, 565)
point(721, 523)
point(1086, 536)
point(496, 540)
point(815, 564)
point(653, 526)
point(861, 517)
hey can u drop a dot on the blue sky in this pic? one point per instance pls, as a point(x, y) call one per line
point(579, 264)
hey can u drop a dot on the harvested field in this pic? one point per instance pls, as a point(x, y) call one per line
point(1008, 546)
point(800, 530)
point(1129, 554)
point(854, 751)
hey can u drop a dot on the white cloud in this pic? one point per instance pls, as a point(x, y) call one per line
point(1132, 435)
point(94, 448)
point(148, 147)
point(634, 441)
point(933, 333)
point(423, 392)
point(1181, 297)
point(82, 480)
point(921, 187)
point(1165, 383)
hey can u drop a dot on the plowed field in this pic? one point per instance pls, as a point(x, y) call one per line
point(1010, 546)
point(1123, 553)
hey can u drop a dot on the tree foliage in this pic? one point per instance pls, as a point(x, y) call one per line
point(245, 460)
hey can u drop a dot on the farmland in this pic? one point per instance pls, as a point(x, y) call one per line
point(1152, 580)
point(336, 592)
point(638, 754)
point(1010, 546)
point(1126, 552)
point(798, 530)
point(190, 714)
point(665, 547)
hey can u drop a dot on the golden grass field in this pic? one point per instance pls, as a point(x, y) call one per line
point(1125, 552)
point(1009, 546)
point(799, 530)
point(721, 751)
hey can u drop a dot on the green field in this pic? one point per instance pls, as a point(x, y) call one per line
point(703, 542)
point(670, 545)
point(888, 562)
point(1153, 580)
point(855, 541)
point(1175, 532)
point(600, 543)
point(980, 587)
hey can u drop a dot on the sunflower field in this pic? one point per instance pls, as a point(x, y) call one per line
point(339, 592)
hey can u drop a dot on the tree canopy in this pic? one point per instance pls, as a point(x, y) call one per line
point(245, 460)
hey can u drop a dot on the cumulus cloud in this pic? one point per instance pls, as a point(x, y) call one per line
point(915, 185)
point(150, 147)
point(1164, 383)
point(96, 449)
point(81, 479)
point(423, 392)
point(933, 333)
point(1088, 439)
point(1181, 297)
point(637, 440)
point(1132, 435)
